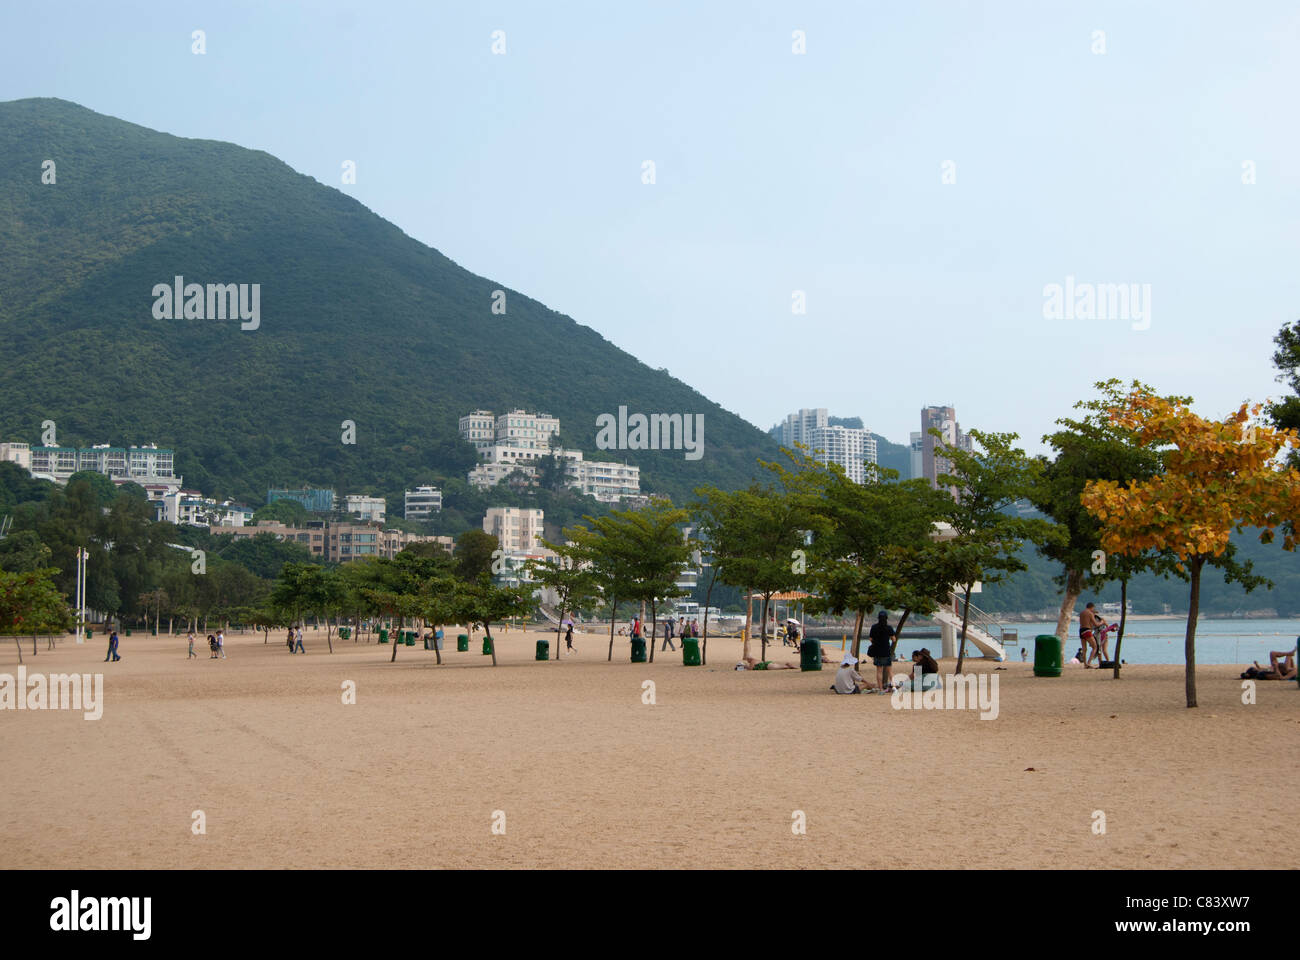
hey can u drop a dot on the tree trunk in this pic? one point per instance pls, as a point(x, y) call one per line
point(19, 645)
point(393, 636)
point(762, 629)
point(857, 633)
point(329, 634)
point(1189, 646)
point(1073, 587)
point(965, 619)
point(613, 615)
point(492, 644)
point(653, 629)
point(749, 619)
point(708, 595)
point(898, 634)
point(559, 625)
point(1123, 615)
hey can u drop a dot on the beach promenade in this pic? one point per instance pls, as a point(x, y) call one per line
point(581, 772)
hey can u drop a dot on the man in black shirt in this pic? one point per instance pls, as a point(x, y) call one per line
point(881, 650)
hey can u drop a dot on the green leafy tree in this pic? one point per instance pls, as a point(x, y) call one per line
point(30, 604)
point(569, 573)
point(1087, 449)
point(987, 537)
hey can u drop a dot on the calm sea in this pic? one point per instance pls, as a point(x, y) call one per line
point(1161, 641)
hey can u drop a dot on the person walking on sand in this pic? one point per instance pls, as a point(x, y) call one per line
point(221, 643)
point(668, 636)
point(112, 648)
point(192, 654)
point(881, 650)
point(289, 639)
point(636, 628)
point(568, 636)
point(298, 647)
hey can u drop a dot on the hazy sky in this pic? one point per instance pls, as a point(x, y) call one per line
point(776, 172)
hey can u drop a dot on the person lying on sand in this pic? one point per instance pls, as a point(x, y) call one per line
point(1282, 666)
point(752, 663)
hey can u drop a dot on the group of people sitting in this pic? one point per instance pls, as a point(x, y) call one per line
point(923, 676)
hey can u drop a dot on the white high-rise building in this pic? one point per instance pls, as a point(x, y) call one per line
point(918, 455)
point(850, 447)
point(517, 529)
point(798, 427)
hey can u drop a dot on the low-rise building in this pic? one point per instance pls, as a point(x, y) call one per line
point(422, 503)
point(339, 542)
point(314, 500)
point(19, 453)
point(148, 464)
point(366, 508)
point(191, 508)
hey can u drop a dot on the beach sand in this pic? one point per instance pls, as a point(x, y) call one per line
point(587, 775)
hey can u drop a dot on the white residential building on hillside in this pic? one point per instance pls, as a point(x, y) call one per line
point(422, 503)
point(191, 508)
point(19, 453)
point(517, 529)
point(479, 428)
point(143, 465)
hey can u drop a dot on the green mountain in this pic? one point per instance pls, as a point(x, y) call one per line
point(357, 322)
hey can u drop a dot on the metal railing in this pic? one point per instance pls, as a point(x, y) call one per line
point(978, 618)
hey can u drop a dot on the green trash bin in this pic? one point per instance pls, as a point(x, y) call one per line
point(128, 631)
point(638, 650)
point(89, 634)
point(1047, 655)
point(690, 651)
point(810, 655)
point(410, 638)
point(543, 650)
point(383, 634)
point(462, 643)
point(154, 631)
point(345, 633)
point(487, 645)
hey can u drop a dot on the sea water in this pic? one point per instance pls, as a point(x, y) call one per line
point(1161, 641)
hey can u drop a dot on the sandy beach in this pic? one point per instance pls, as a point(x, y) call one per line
point(587, 775)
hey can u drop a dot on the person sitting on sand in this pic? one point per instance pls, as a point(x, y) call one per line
point(753, 663)
point(847, 680)
point(923, 662)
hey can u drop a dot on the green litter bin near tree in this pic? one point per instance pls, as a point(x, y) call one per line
point(1047, 655)
point(154, 631)
point(810, 655)
point(88, 633)
point(383, 634)
point(690, 651)
point(128, 631)
point(638, 650)
point(410, 638)
point(345, 633)
point(543, 650)
point(487, 645)
point(462, 643)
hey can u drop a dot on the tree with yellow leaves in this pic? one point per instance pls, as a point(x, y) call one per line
point(1217, 477)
